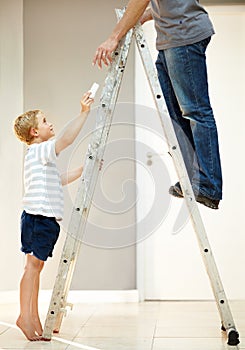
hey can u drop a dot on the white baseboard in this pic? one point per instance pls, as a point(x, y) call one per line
point(80, 296)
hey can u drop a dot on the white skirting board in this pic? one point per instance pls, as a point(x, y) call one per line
point(80, 296)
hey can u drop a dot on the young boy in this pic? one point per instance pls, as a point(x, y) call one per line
point(42, 203)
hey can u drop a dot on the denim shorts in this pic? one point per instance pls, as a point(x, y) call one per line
point(38, 235)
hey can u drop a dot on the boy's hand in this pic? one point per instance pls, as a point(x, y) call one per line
point(86, 102)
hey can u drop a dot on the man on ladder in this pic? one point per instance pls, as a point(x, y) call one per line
point(183, 32)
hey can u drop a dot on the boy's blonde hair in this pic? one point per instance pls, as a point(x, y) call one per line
point(23, 125)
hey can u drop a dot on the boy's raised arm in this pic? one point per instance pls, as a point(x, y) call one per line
point(72, 129)
point(70, 176)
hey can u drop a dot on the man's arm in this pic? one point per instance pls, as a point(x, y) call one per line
point(147, 16)
point(71, 131)
point(133, 13)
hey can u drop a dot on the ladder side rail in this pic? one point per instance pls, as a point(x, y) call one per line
point(105, 112)
point(61, 312)
point(208, 258)
point(100, 135)
point(86, 188)
point(63, 304)
point(95, 153)
point(57, 303)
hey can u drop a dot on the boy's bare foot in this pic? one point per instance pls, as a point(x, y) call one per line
point(37, 325)
point(28, 329)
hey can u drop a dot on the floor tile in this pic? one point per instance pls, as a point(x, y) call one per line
point(188, 344)
point(14, 339)
point(120, 320)
point(116, 343)
point(170, 325)
point(114, 331)
point(189, 332)
point(3, 329)
point(189, 319)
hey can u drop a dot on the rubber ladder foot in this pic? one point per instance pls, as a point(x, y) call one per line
point(233, 337)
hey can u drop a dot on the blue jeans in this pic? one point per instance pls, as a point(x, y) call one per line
point(182, 74)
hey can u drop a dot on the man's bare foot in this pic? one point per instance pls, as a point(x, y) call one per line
point(28, 329)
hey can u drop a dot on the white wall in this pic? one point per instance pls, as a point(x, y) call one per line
point(59, 43)
point(224, 228)
point(170, 265)
point(11, 104)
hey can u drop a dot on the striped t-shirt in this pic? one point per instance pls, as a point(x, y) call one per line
point(43, 189)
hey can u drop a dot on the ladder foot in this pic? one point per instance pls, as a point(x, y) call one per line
point(233, 337)
point(46, 339)
point(223, 328)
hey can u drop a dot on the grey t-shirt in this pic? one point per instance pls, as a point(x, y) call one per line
point(180, 22)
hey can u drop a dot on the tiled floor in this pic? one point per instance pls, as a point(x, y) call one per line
point(130, 326)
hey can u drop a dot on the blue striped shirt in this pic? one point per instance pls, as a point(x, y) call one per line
point(43, 189)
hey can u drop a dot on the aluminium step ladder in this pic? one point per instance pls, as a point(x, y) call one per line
point(94, 156)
